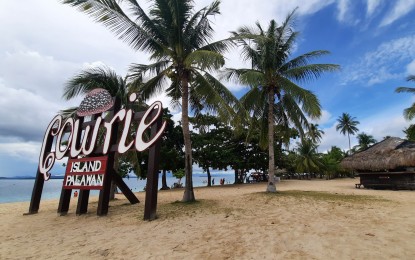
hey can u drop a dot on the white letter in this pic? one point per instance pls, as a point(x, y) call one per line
point(59, 153)
point(122, 148)
point(93, 138)
point(74, 151)
point(45, 164)
point(97, 165)
point(140, 145)
point(108, 125)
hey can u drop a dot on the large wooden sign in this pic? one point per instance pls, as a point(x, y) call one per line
point(90, 142)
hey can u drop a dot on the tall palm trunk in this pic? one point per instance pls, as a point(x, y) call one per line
point(188, 188)
point(271, 162)
point(348, 135)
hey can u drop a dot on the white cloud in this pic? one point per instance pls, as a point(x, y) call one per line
point(325, 117)
point(382, 64)
point(372, 5)
point(342, 8)
point(246, 12)
point(26, 151)
point(24, 114)
point(400, 9)
point(410, 68)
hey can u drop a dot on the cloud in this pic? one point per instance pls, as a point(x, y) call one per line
point(24, 114)
point(372, 6)
point(400, 9)
point(39, 74)
point(382, 64)
point(24, 151)
point(325, 117)
point(342, 8)
point(245, 12)
point(410, 68)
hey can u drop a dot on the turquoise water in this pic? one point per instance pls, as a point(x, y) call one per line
point(15, 190)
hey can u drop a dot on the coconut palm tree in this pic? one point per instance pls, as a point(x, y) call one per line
point(365, 141)
point(409, 113)
point(307, 160)
point(178, 40)
point(314, 133)
point(273, 77)
point(347, 125)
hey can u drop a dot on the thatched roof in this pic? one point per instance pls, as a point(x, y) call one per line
point(391, 153)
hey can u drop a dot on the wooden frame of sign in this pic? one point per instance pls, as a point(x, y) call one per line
point(156, 127)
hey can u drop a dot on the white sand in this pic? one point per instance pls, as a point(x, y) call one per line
point(230, 222)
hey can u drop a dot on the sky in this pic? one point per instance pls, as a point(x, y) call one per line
point(44, 43)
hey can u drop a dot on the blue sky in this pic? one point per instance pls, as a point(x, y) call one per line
point(45, 43)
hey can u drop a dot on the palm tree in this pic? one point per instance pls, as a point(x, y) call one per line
point(365, 141)
point(347, 125)
point(314, 133)
point(307, 160)
point(178, 40)
point(409, 113)
point(272, 77)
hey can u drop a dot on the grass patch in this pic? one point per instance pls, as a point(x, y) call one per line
point(316, 195)
point(180, 209)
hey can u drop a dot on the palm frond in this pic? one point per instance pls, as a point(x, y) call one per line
point(309, 72)
point(204, 60)
point(198, 30)
point(308, 100)
point(250, 77)
point(68, 112)
point(153, 86)
point(112, 16)
point(92, 78)
point(215, 96)
point(409, 113)
point(303, 59)
point(404, 89)
point(410, 78)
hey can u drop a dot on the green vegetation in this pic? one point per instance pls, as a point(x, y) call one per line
point(409, 113)
point(347, 125)
point(254, 132)
point(319, 196)
point(179, 209)
point(274, 97)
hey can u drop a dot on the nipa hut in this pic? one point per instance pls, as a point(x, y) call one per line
point(387, 164)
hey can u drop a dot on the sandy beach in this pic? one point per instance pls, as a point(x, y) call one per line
point(315, 219)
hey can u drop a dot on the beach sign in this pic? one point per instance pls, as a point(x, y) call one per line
point(85, 173)
point(90, 140)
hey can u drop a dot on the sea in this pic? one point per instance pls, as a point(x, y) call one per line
point(20, 189)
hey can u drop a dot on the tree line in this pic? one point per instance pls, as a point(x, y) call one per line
point(185, 64)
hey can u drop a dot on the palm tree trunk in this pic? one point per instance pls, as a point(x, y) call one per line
point(271, 163)
point(350, 148)
point(188, 188)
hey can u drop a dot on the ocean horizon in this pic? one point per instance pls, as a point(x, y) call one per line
point(19, 189)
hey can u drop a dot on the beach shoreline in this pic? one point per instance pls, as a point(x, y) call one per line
point(315, 219)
